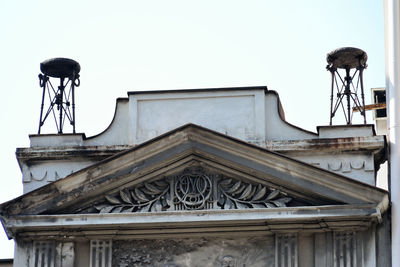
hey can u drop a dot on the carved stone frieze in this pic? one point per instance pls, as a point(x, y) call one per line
point(212, 252)
point(193, 189)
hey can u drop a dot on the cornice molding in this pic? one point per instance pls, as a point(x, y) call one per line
point(147, 224)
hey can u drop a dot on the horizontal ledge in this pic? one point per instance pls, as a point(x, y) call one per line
point(364, 143)
point(67, 152)
point(274, 218)
point(213, 231)
point(342, 144)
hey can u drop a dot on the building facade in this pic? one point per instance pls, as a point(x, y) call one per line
point(206, 177)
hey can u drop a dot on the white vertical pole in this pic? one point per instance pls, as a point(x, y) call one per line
point(392, 50)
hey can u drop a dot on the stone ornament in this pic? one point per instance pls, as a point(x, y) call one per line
point(193, 189)
point(189, 252)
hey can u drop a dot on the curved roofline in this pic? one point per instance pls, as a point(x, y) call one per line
point(264, 87)
point(282, 114)
point(119, 99)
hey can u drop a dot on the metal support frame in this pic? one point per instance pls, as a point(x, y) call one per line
point(63, 96)
point(346, 66)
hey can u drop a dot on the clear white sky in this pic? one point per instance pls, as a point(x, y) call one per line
point(141, 45)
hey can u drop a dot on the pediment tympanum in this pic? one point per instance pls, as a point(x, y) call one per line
point(193, 189)
point(195, 176)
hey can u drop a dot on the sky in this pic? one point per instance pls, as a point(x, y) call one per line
point(157, 45)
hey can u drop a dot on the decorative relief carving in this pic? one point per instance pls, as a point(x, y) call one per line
point(349, 166)
point(143, 198)
point(334, 166)
point(48, 176)
point(229, 261)
point(241, 195)
point(218, 252)
point(193, 189)
point(37, 178)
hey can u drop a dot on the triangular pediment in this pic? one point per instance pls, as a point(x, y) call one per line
point(193, 168)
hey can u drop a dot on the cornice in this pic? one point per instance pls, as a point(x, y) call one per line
point(346, 144)
point(147, 224)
